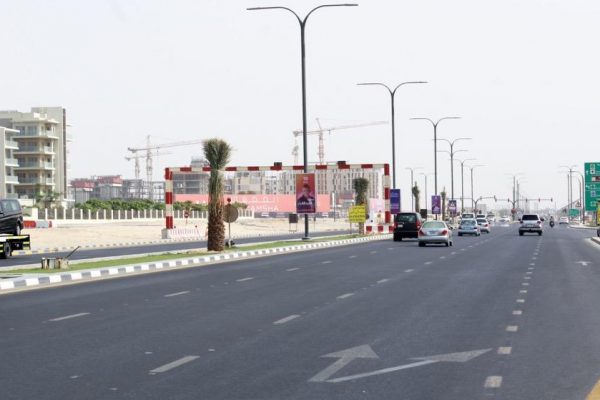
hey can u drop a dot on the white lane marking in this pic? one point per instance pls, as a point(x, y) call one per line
point(492, 382)
point(373, 252)
point(286, 319)
point(520, 300)
point(427, 262)
point(531, 263)
point(352, 256)
point(326, 262)
point(504, 350)
point(177, 293)
point(525, 284)
point(69, 317)
point(534, 258)
point(442, 257)
point(344, 296)
point(382, 280)
point(512, 328)
point(531, 268)
point(390, 248)
point(529, 272)
point(245, 279)
point(463, 249)
point(292, 269)
point(517, 312)
point(526, 277)
point(174, 364)
point(453, 253)
point(522, 291)
point(408, 270)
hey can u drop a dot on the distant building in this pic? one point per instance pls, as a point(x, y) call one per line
point(192, 182)
point(8, 162)
point(42, 150)
point(97, 187)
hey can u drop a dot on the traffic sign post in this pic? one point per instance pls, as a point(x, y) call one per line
point(592, 185)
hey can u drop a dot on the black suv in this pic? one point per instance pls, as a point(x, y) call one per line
point(11, 216)
point(407, 225)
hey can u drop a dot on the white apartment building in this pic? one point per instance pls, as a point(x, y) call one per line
point(8, 178)
point(42, 150)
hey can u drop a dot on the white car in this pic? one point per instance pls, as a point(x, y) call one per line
point(563, 221)
point(435, 232)
point(469, 227)
point(484, 225)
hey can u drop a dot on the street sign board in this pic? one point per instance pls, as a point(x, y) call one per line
point(452, 208)
point(395, 201)
point(574, 212)
point(436, 204)
point(357, 214)
point(230, 213)
point(592, 185)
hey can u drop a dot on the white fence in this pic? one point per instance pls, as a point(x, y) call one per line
point(78, 214)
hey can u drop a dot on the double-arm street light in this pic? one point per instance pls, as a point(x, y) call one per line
point(472, 197)
point(452, 152)
point(462, 182)
point(435, 125)
point(412, 182)
point(392, 94)
point(426, 199)
point(302, 22)
point(515, 201)
point(569, 183)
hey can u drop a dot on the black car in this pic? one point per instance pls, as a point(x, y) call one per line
point(407, 225)
point(11, 216)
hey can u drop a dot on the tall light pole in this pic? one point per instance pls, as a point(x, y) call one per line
point(452, 152)
point(514, 192)
point(570, 185)
point(302, 22)
point(412, 197)
point(426, 199)
point(392, 94)
point(581, 194)
point(472, 198)
point(435, 125)
point(462, 182)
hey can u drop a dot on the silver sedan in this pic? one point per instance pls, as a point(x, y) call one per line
point(435, 232)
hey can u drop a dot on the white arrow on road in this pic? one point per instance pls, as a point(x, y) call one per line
point(583, 263)
point(346, 356)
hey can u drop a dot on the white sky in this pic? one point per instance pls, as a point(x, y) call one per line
point(523, 75)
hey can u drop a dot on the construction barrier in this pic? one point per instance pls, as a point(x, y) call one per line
point(37, 224)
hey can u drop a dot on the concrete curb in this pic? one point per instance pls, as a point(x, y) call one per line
point(596, 240)
point(45, 280)
point(147, 242)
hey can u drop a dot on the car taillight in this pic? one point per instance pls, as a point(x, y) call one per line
point(418, 225)
point(539, 222)
point(421, 233)
point(445, 232)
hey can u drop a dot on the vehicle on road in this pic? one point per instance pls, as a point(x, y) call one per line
point(469, 227)
point(530, 223)
point(11, 216)
point(504, 220)
point(407, 225)
point(563, 221)
point(9, 242)
point(484, 225)
point(467, 216)
point(435, 232)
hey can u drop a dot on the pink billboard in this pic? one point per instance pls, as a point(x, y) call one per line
point(261, 202)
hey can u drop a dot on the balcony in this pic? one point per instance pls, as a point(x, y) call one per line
point(12, 179)
point(36, 165)
point(11, 162)
point(38, 134)
point(11, 196)
point(11, 144)
point(35, 150)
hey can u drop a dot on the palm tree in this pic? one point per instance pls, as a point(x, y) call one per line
point(360, 186)
point(443, 194)
point(217, 152)
point(417, 195)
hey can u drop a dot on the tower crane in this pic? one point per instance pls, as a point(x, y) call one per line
point(148, 149)
point(320, 131)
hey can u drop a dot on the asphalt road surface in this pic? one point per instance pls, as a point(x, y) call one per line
point(143, 249)
point(497, 316)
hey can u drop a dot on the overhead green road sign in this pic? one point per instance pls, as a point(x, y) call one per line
point(592, 185)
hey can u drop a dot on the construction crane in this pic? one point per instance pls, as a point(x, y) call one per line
point(148, 149)
point(321, 131)
point(136, 158)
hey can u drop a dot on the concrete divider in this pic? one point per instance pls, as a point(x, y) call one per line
point(28, 224)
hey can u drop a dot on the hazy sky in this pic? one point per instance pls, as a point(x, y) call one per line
point(522, 74)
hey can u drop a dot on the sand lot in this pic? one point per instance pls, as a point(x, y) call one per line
point(106, 233)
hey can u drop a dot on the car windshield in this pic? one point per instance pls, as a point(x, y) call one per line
point(530, 218)
point(406, 218)
point(482, 220)
point(434, 225)
point(468, 222)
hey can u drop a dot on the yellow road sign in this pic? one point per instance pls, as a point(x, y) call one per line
point(357, 214)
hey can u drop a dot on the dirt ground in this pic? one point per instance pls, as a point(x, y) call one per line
point(106, 233)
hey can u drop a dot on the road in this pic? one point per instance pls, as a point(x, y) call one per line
point(380, 320)
point(144, 249)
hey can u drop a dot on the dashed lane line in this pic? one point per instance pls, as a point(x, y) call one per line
point(245, 279)
point(504, 350)
point(512, 328)
point(286, 319)
point(176, 293)
point(520, 300)
point(326, 262)
point(173, 364)
point(383, 280)
point(69, 317)
point(517, 312)
point(408, 270)
point(523, 291)
point(344, 296)
point(292, 269)
point(352, 256)
point(492, 382)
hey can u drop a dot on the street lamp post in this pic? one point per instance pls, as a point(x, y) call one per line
point(570, 185)
point(452, 152)
point(581, 181)
point(435, 125)
point(472, 197)
point(392, 94)
point(462, 183)
point(412, 197)
point(302, 23)
point(426, 199)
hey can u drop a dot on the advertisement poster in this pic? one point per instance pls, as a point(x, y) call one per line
point(436, 204)
point(395, 201)
point(306, 202)
point(452, 209)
